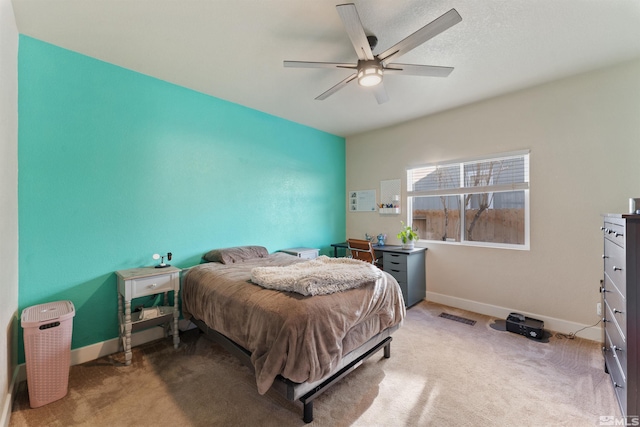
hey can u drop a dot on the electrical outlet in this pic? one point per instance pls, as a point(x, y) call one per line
point(599, 309)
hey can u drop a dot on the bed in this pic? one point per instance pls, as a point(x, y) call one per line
point(299, 335)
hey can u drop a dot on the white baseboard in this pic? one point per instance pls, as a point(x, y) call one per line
point(550, 323)
point(8, 400)
point(101, 349)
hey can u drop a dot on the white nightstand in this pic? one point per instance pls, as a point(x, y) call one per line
point(304, 253)
point(141, 282)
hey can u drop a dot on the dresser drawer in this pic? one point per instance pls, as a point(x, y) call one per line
point(615, 265)
point(614, 233)
point(616, 341)
point(616, 306)
point(617, 376)
point(620, 385)
point(151, 285)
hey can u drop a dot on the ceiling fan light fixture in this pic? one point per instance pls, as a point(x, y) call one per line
point(370, 68)
point(370, 75)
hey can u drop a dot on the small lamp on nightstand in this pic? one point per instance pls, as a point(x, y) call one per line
point(161, 258)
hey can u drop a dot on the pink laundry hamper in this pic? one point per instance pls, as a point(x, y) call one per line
point(47, 348)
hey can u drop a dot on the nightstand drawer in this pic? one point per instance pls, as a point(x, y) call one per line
point(151, 285)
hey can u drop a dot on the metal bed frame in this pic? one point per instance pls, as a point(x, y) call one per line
point(307, 392)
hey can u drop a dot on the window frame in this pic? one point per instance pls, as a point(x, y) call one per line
point(462, 191)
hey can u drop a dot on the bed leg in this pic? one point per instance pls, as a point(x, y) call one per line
point(387, 350)
point(308, 411)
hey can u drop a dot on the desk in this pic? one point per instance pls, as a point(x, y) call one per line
point(407, 266)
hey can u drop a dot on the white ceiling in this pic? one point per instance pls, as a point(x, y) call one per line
point(233, 49)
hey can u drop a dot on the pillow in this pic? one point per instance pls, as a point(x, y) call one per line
point(236, 254)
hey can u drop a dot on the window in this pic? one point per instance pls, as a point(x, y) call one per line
point(482, 202)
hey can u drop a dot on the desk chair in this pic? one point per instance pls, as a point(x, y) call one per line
point(362, 250)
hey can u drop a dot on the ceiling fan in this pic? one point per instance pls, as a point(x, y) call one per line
point(371, 68)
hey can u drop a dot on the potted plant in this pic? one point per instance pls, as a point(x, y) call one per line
point(408, 236)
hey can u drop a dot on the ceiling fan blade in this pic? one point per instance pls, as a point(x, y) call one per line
point(336, 88)
point(425, 33)
point(353, 25)
point(380, 93)
point(305, 64)
point(418, 70)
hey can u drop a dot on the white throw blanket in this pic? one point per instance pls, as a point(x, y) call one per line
point(319, 276)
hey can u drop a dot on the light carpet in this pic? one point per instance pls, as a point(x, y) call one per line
point(441, 373)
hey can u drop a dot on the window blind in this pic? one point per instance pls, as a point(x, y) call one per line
point(492, 174)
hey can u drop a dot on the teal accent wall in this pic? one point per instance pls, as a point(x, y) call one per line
point(115, 166)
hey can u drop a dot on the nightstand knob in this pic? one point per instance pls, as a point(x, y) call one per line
point(155, 285)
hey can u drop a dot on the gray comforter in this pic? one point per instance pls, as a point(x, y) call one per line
point(299, 337)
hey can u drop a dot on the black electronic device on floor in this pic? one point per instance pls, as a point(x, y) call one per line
point(527, 326)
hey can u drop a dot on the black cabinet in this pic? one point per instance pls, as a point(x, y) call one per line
point(407, 266)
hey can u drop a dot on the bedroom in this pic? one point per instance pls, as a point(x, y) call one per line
point(124, 165)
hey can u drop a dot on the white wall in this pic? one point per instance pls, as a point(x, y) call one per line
point(8, 203)
point(584, 137)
